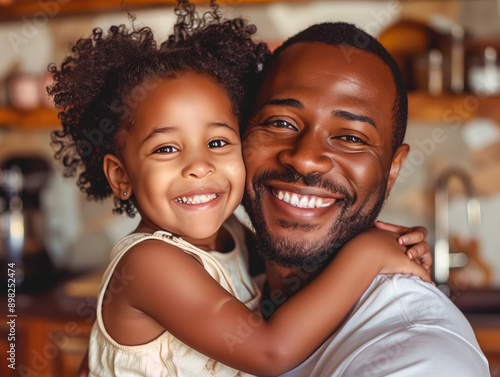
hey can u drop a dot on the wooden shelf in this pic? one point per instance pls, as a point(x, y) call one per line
point(452, 109)
point(35, 119)
point(448, 110)
point(30, 8)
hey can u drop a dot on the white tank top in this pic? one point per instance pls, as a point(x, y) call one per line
point(166, 355)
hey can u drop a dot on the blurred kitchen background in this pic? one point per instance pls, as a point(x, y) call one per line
point(450, 183)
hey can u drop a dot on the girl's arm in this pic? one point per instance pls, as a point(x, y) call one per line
point(175, 290)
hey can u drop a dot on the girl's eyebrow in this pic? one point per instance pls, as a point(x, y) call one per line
point(160, 130)
point(225, 125)
point(163, 130)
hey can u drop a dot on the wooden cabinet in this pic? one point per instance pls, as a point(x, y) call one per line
point(485, 320)
point(12, 346)
point(45, 348)
point(452, 110)
point(51, 334)
point(488, 338)
point(35, 119)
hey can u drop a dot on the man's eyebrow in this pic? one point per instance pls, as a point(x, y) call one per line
point(286, 102)
point(351, 116)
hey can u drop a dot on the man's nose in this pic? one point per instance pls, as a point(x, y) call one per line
point(307, 154)
point(198, 166)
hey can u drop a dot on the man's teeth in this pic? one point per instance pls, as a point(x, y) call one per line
point(196, 199)
point(301, 201)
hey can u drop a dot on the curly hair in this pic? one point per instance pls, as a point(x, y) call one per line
point(100, 82)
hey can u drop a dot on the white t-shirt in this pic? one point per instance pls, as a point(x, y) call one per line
point(401, 327)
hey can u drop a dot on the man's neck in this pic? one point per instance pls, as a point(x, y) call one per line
point(283, 283)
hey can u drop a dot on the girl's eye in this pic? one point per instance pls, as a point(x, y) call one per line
point(280, 124)
point(217, 143)
point(166, 149)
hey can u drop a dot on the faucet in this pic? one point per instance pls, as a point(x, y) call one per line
point(444, 259)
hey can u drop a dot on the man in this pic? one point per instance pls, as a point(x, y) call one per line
point(322, 150)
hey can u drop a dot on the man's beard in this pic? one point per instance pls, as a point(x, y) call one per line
point(310, 255)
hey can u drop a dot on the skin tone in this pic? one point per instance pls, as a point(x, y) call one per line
point(320, 113)
point(184, 145)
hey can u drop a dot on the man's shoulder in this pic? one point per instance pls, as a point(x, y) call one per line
point(401, 326)
point(409, 301)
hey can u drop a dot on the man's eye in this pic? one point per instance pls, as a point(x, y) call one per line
point(351, 139)
point(217, 143)
point(280, 124)
point(167, 149)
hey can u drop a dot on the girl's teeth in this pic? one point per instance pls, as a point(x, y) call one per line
point(197, 199)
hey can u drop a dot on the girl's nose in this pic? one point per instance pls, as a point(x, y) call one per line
point(198, 167)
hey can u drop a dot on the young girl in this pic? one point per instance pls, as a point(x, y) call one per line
point(159, 129)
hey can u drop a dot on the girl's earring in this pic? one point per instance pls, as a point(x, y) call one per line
point(124, 194)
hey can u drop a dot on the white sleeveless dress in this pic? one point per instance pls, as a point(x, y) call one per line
point(166, 355)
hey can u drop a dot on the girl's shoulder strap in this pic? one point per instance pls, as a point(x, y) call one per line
point(211, 264)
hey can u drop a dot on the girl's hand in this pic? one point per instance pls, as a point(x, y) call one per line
point(381, 249)
point(415, 238)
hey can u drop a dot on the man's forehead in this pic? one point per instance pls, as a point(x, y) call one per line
point(311, 66)
point(311, 56)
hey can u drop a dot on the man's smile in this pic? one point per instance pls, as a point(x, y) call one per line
point(302, 201)
point(298, 201)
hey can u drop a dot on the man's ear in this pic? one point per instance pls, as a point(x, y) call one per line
point(397, 162)
point(117, 177)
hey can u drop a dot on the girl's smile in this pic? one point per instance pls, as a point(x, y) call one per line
point(182, 158)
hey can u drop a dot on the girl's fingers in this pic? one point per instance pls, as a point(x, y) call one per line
point(418, 250)
point(421, 272)
point(416, 238)
point(426, 261)
point(408, 236)
point(391, 227)
point(413, 235)
point(421, 253)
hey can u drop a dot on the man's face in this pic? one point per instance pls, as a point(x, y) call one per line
point(318, 152)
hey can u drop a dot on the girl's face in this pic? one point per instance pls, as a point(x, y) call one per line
point(182, 157)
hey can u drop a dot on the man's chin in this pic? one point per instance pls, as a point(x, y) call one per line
point(294, 251)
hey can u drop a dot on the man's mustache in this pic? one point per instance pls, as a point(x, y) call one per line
point(311, 180)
